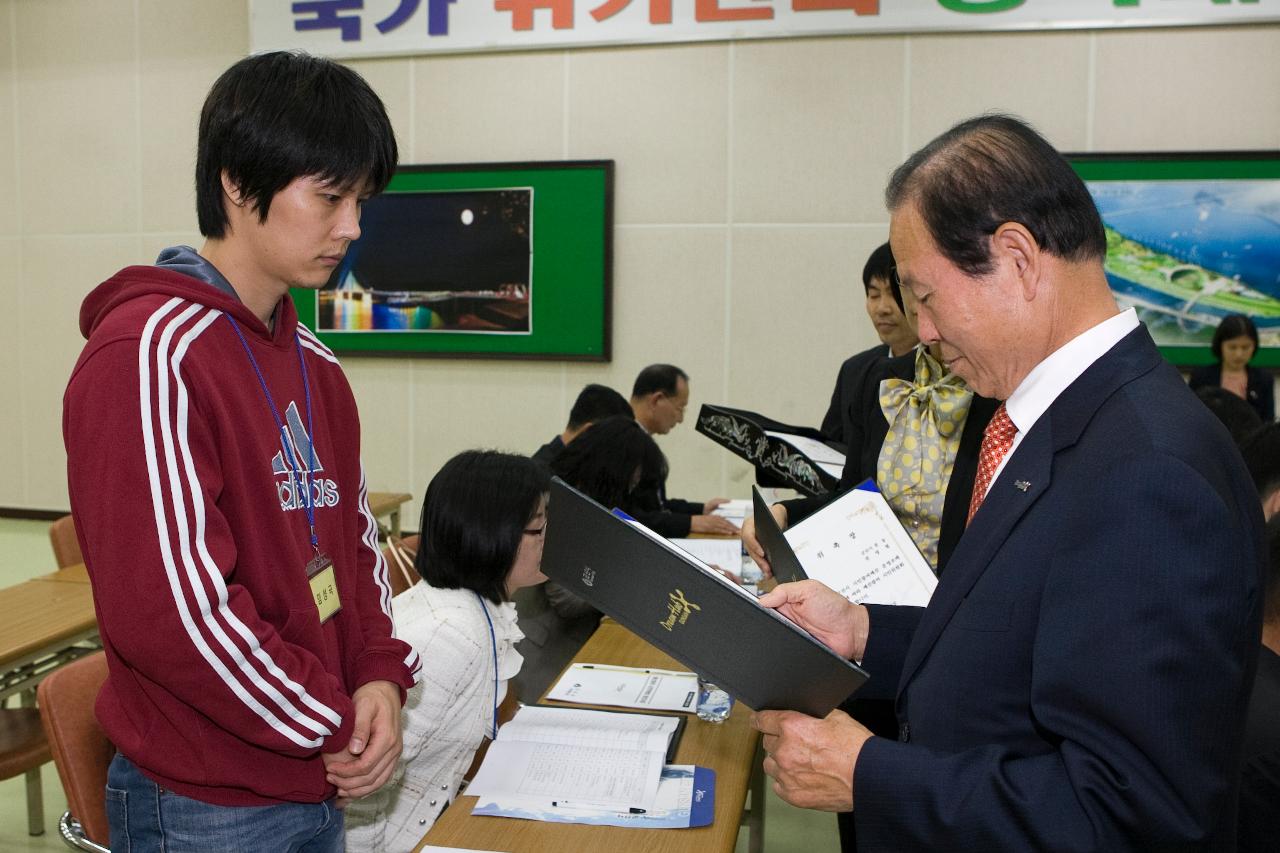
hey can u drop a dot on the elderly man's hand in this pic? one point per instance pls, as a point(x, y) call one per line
point(826, 614)
point(811, 761)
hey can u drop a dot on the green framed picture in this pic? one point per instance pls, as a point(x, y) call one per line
point(1191, 238)
point(485, 260)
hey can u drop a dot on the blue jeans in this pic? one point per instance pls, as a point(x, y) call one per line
point(146, 818)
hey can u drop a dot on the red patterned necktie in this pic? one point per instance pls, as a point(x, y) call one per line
point(996, 441)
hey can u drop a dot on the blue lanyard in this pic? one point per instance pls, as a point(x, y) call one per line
point(284, 435)
point(494, 641)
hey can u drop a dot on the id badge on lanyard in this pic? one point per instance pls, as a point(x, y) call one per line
point(324, 588)
point(320, 573)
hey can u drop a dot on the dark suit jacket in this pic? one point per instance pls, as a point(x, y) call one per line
point(1260, 779)
point(1079, 679)
point(866, 430)
point(670, 517)
point(847, 396)
point(1260, 389)
point(549, 451)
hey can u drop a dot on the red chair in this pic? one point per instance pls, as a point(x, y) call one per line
point(23, 749)
point(400, 554)
point(80, 750)
point(66, 547)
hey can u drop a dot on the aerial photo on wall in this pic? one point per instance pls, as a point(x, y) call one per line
point(1185, 253)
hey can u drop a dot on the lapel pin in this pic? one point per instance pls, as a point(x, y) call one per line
point(1021, 485)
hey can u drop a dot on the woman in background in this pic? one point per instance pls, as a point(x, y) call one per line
point(1235, 342)
point(484, 520)
point(609, 460)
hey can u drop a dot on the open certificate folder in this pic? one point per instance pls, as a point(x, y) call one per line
point(856, 546)
point(686, 797)
point(599, 759)
point(627, 687)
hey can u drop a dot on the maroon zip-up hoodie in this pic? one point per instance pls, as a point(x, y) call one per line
point(190, 505)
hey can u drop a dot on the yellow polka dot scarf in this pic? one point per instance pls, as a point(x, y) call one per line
point(926, 416)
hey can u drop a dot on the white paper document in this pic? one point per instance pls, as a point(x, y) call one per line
point(722, 553)
point(627, 687)
point(736, 511)
point(686, 797)
point(856, 546)
point(571, 755)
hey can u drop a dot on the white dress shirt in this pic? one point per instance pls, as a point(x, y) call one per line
point(1048, 379)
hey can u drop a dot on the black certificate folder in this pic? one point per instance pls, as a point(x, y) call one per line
point(678, 604)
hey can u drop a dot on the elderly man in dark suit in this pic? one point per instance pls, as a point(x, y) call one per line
point(1079, 679)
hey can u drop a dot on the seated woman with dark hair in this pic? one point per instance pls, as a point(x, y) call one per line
point(609, 460)
point(1235, 342)
point(605, 462)
point(483, 524)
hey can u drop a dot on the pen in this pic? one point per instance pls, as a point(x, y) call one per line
point(563, 804)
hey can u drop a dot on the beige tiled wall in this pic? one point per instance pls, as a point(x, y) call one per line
point(749, 180)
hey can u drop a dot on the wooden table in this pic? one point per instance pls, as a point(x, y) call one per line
point(730, 748)
point(388, 504)
point(44, 623)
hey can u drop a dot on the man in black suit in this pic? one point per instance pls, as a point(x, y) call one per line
point(1260, 775)
point(658, 398)
point(897, 338)
point(1079, 679)
point(594, 403)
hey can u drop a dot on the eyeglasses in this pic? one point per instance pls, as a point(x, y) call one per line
point(536, 531)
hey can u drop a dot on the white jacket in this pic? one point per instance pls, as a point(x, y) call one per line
point(445, 717)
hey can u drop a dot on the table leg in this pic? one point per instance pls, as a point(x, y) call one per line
point(753, 818)
point(35, 791)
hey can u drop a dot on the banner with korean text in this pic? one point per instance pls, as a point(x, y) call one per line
point(361, 28)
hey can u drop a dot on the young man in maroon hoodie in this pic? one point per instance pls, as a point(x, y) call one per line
point(213, 460)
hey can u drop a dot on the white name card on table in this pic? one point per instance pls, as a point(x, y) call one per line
point(627, 687)
point(596, 758)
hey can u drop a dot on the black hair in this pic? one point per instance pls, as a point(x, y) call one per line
point(658, 377)
point(604, 461)
point(1261, 452)
point(275, 117)
point(596, 402)
point(990, 170)
point(1233, 326)
point(1240, 418)
point(473, 520)
point(879, 265)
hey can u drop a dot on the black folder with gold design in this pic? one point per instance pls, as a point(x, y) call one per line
point(686, 609)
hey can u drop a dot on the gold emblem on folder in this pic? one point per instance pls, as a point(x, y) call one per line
point(678, 610)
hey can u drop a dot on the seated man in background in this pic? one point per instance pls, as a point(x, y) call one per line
point(1259, 819)
point(594, 403)
point(897, 338)
point(1261, 452)
point(1236, 414)
point(658, 399)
